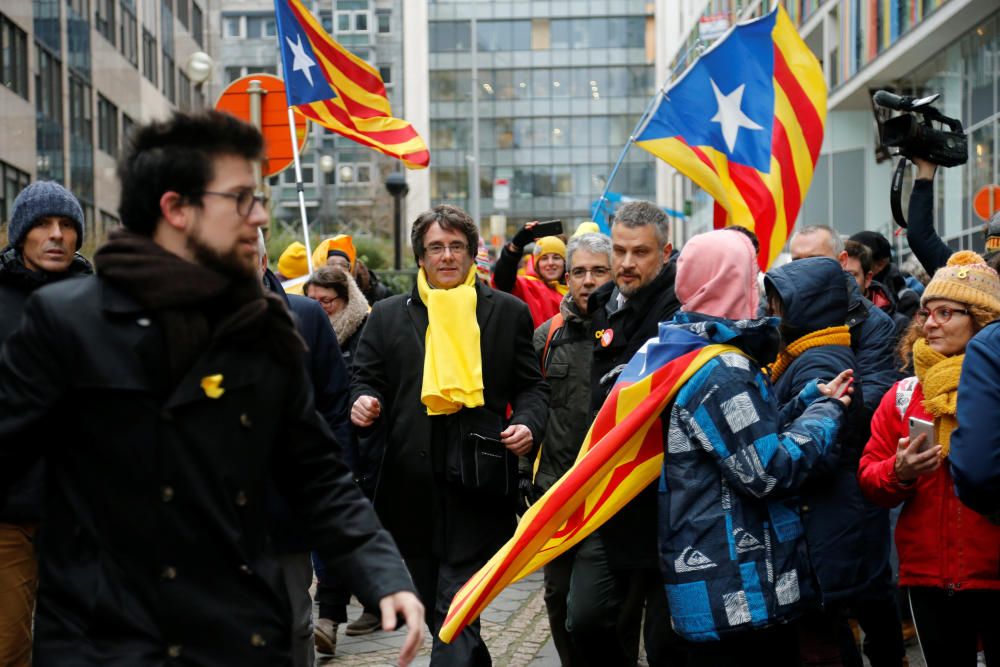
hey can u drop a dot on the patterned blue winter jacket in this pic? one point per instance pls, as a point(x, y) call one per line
point(731, 541)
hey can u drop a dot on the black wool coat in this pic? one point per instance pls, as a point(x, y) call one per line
point(426, 516)
point(155, 548)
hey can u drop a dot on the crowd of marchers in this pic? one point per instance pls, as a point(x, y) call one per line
point(188, 439)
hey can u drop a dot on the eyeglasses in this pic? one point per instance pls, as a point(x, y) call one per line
point(941, 314)
point(326, 300)
point(244, 200)
point(597, 272)
point(456, 249)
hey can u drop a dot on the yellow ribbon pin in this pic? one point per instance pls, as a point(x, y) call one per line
point(211, 385)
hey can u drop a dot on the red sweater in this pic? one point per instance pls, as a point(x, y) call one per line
point(941, 542)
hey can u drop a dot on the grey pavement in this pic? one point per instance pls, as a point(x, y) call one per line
point(515, 628)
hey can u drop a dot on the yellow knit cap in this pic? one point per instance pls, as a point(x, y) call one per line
point(966, 279)
point(292, 263)
point(587, 227)
point(341, 243)
point(547, 244)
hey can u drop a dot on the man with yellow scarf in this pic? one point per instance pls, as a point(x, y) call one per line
point(436, 373)
point(949, 555)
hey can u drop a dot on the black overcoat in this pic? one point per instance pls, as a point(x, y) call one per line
point(426, 516)
point(155, 547)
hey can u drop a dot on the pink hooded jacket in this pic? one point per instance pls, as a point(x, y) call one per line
point(717, 276)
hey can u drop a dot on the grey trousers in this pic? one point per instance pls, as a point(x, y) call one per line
point(298, 572)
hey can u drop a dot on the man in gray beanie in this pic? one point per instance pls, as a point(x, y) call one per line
point(45, 231)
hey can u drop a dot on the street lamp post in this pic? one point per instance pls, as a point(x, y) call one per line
point(395, 183)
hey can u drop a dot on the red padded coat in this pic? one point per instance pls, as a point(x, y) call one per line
point(941, 542)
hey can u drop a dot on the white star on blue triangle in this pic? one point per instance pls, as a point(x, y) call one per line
point(726, 99)
point(304, 78)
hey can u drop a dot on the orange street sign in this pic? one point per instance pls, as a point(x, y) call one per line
point(273, 119)
point(986, 201)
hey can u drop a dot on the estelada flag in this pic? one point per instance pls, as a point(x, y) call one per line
point(745, 122)
point(331, 86)
point(621, 455)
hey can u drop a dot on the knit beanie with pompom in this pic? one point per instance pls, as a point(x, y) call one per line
point(966, 279)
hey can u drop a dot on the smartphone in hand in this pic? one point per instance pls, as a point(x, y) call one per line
point(547, 228)
point(922, 427)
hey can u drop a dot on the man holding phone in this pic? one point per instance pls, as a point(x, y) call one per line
point(543, 284)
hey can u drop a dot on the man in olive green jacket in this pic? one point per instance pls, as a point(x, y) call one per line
point(564, 345)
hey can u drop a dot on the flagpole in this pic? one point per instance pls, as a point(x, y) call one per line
point(299, 186)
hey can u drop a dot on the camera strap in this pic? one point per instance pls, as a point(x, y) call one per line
point(895, 193)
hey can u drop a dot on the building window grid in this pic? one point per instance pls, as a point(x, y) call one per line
point(81, 116)
point(13, 56)
point(183, 91)
point(383, 21)
point(183, 14)
point(48, 85)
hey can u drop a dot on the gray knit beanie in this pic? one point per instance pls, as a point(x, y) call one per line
point(38, 200)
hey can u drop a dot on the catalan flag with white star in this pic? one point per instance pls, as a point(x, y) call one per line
point(745, 122)
point(621, 455)
point(331, 86)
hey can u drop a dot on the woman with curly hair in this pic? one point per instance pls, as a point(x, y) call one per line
point(949, 555)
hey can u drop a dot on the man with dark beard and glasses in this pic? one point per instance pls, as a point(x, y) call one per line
point(174, 399)
point(617, 568)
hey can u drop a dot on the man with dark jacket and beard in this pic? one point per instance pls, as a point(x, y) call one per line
point(173, 393)
point(45, 231)
point(617, 567)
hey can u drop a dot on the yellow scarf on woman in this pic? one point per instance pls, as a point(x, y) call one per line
point(830, 336)
point(453, 361)
point(938, 377)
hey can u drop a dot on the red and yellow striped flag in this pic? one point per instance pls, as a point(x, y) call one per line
point(331, 86)
point(621, 455)
point(745, 122)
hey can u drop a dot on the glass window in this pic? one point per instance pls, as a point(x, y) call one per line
point(13, 57)
point(48, 85)
point(183, 15)
point(447, 36)
point(363, 174)
point(80, 114)
point(505, 133)
point(107, 126)
point(232, 73)
point(541, 82)
point(197, 24)
point(260, 27)
point(12, 181)
point(361, 22)
point(183, 91)
point(326, 20)
point(560, 31)
point(104, 19)
point(343, 21)
point(635, 33)
point(232, 26)
point(504, 84)
point(149, 55)
point(522, 84)
point(169, 81)
point(127, 125)
point(450, 133)
point(383, 19)
point(128, 34)
point(561, 82)
point(450, 85)
point(385, 72)
point(561, 132)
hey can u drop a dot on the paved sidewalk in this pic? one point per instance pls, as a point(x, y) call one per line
point(515, 628)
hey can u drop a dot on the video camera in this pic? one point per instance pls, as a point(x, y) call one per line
point(914, 135)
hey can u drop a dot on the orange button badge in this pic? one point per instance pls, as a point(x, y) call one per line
point(607, 337)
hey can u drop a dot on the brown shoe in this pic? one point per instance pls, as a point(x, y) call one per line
point(364, 625)
point(325, 636)
point(909, 632)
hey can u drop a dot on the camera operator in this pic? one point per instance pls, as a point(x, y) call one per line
point(931, 251)
point(927, 246)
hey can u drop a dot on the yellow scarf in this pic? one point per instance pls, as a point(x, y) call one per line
point(830, 336)
point(938, 377)
point(453, 362)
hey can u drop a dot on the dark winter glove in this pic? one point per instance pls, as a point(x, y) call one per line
point(526, 494)
point(522, 238)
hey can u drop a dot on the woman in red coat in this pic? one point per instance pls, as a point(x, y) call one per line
point(949, 555)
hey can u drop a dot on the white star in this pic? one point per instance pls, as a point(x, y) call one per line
point(730, 116)
point(302, 63)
